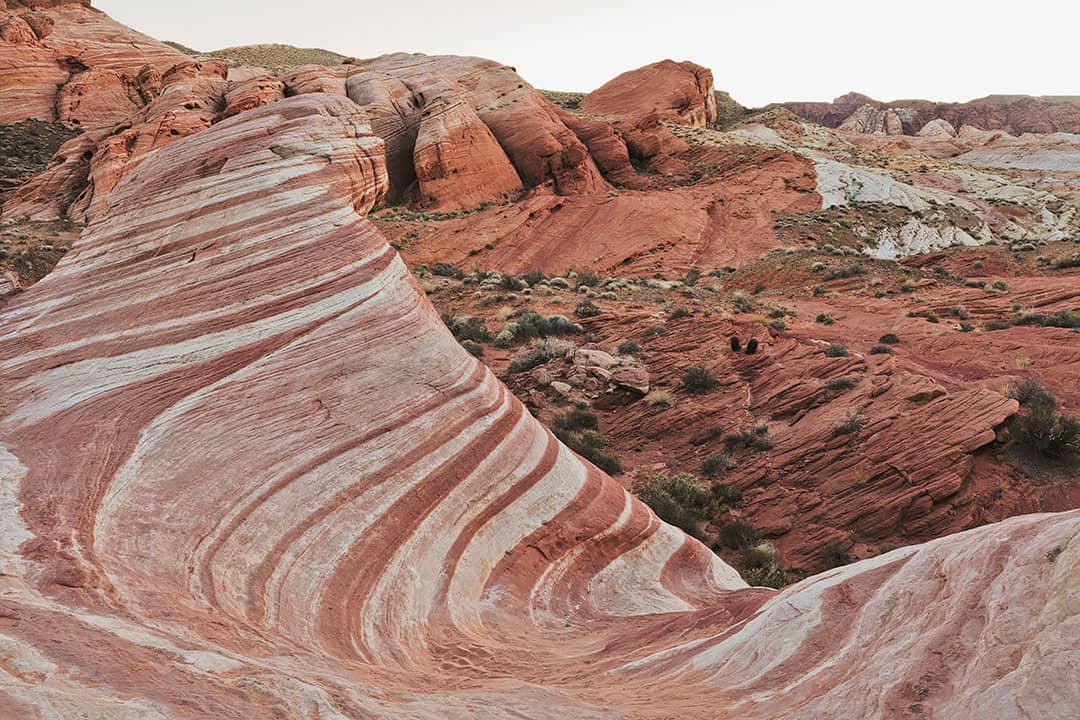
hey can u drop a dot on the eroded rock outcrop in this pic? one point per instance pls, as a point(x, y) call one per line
point(680, 92)
point(1015, 114)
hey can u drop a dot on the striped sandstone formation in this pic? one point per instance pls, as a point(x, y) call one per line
point(248, 473)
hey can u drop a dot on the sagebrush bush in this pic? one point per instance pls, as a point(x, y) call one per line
point(682, 500)
point(1040, 427)
point(628, 348)
point(466, 327)
point(738, 535)
point(587, 309)
point(538, 353)
point(716, 464)
point(889, 339)
point(836, 350)
point(699, 379)
point(881, 350)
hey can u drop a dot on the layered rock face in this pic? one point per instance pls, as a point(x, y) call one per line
point(680, 92)
point(64, 61)
point(248, 473)
point(1015, 114)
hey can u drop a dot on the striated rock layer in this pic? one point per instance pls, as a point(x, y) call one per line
point(248, 473)
point(680, 92)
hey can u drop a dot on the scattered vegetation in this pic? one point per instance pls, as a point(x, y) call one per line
point(851, 425)
point(717, 464)
point(587, 309)
point(531, 325)
point(1040, 426)
point(762, 567)
point(449, 270)
point(538, 353)
point(578, 430)
point(683, 501)
point(465, 327)
point(754, 437)
point(835, 555)
point(660, 398)
point(889, 339)
point(738, 535)
point(698, 379)
point(841, 383)
point(825, 319)
point(836, 350)
point(629, 347)
point(678, 313)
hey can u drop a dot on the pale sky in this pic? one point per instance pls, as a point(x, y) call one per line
point(759, 50)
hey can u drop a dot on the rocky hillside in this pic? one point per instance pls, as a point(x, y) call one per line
point(1015, 114)
point(250, 470)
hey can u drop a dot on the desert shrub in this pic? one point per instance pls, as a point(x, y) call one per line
point(654, 330)
point(587, 278)
point(716, 464)
point(467, 327)
point(577, 429)
point(692, 277)
point(966, 327)
point(754, 437)
point(587, 309)
point(448, 270)
point(538, 353)
point(698, 379)
point(841, 383)
point(996, 325)
point(474, 349)
point(1029, 391)
point(818, 267)
point(845, 272)
point(1000, 286)
point(1040, 427)
point(738, 535)
point(628, 347)
point(933, 317)
point(508, 282)
point(818, 291)
point(889, 339)
point(778, 325)
point(836, 350)
point(678, 313)
point(710, 434)
point(533, 277)
point(825, 319)
point(960, 312)
point(579, 418)
point(761, 567)
point(881, 350)
point(531, 325)
point(1067, 261)
point(834, 555)
point(682, 500)
point(743, 302)
point(660, 398)
point(1063, 319)
point(850, 426)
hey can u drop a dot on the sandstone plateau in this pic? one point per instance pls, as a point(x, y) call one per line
point(248, 471)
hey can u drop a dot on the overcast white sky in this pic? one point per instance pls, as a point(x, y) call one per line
point(759, 50)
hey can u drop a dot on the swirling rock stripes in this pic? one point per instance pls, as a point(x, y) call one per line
point(249, 473)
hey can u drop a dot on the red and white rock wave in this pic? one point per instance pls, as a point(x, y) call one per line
point(247, 473)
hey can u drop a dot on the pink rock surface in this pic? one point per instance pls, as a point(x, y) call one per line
point(66, 61)
point(679, 92)
point(248, 473)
